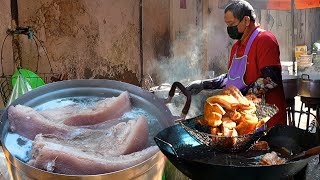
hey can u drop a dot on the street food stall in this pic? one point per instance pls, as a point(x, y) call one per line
point(108, 129)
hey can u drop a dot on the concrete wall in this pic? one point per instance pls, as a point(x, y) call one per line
point(95, 39)
point(7, 61)
point(279, 23)
point(187, 58)
point(5, 23)
point(86, 39)
point(156, 35)
point(306, 31)
point(219, 43)
point(100, 39)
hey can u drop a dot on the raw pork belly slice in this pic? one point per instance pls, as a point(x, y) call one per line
point(94, 151)
point(103, 125)
point(123, 138)
point(60, 114)
point(72, 161)
point(104, 110)
point(27, 122)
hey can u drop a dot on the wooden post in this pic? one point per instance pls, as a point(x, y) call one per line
point(293, 38)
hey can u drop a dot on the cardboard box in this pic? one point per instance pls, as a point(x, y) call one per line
point(304, 59)
point(300, 50)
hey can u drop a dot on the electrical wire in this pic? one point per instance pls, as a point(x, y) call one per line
point(35, 38)
point(4, 87)
point(38, 55)
point(45, 51)
point(2, 53)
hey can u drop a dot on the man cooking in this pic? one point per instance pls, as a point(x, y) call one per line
point(254, 65)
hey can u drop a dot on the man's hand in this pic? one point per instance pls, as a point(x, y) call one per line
point(216, 83)
point(195, 87)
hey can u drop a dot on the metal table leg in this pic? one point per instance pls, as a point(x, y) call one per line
point(293, 112)
point(300, 114)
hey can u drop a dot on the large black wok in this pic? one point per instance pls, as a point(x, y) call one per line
point(151, 168)
point(200, 162)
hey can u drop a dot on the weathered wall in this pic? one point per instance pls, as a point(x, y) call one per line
point(100, 39)
point(156, 34)
point(219, 43)
point(279, 23)
point(5, 23)
point(86, 39)
point(96, 39)
point(306, 32)
point(187, 56)
point(306, 28)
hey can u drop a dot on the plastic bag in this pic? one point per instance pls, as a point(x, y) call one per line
point(21, 87)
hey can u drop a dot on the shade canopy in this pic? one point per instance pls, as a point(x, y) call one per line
point(284, 4)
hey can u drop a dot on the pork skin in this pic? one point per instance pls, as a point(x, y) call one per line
point(72, 161)
point(104, 110)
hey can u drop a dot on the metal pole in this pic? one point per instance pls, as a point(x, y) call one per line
point(14, 11)
point(293, 38)
point(141, 39)
point(16, 47)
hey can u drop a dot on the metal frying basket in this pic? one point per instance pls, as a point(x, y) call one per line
point(229, 143)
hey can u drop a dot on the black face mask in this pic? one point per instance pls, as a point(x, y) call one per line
point(233, 32)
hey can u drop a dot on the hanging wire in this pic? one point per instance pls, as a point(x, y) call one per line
point(5, 80)
point(45, 51)
point(4, 85)
point(38, 61)
point(2, 53)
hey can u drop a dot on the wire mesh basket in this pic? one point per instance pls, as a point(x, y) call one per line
point(6, 81)
point(228, 143)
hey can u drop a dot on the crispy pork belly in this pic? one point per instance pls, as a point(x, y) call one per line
point(104, 110)
point(260, 145)
point(27, 122)
point(123, 138)
point(272, 159)
point(72, 161)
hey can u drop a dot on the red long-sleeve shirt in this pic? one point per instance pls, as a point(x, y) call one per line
point(264, 52)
